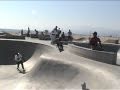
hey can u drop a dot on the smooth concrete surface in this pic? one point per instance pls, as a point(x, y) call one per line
point(101, 56)
point(48, 69)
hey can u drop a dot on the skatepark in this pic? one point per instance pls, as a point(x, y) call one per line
point(60, 45)
point(49, 69)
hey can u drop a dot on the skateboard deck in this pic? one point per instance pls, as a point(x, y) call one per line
point(21, 71)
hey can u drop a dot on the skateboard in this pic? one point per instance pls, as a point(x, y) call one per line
point(21, 71)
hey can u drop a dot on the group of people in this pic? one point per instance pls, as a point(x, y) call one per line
point(29, 32)
point(70, 38)
point(56, 33)
point(57, 38)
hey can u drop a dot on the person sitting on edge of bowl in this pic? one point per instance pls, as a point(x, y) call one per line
point(94, 41)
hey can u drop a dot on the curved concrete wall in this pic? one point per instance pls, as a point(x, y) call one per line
point(9, 48)
point(13, 37)
point(109, 55)
point(106, 47)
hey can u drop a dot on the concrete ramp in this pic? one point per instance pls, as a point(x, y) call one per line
point(50, 74)
point(48, 69)
point(9, 48)
point(67, 71)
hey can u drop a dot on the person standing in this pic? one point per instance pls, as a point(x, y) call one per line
point(22, 32)
point(69, 35)
point(28, 32)
point(36, 33)
point(53, 35)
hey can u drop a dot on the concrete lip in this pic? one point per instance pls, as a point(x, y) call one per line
point(108, 55)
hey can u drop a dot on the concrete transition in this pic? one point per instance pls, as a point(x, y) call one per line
point(48, 69)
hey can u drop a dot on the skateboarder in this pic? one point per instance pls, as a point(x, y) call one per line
point(94, 41)
point(19, 60)
point(59, 44)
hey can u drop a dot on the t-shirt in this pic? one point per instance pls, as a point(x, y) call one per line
point(18, 58)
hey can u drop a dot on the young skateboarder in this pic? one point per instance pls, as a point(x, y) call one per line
point(19, 60)
point(59, 44)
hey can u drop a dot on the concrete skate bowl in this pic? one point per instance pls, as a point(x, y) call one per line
point(62, 72)
point(108, 55)
point(9, 48)
point(58, 71)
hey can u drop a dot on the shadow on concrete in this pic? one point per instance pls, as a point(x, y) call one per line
point(9, 48)
point(54, 70)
